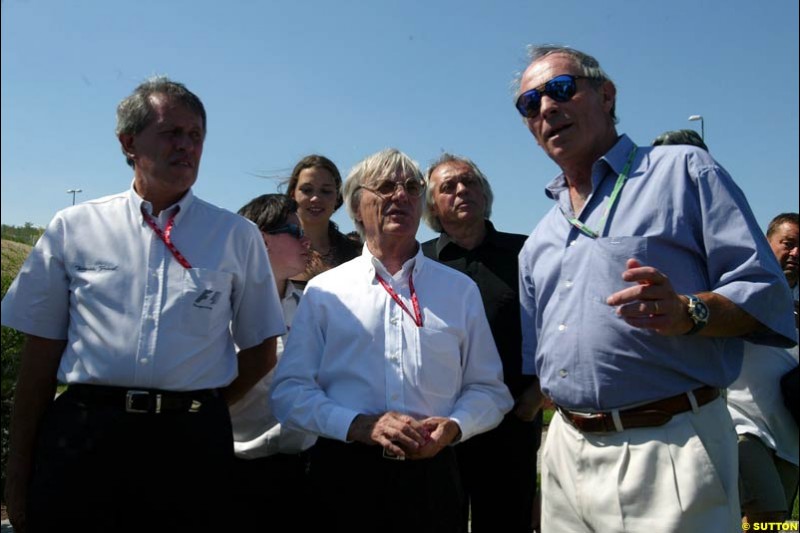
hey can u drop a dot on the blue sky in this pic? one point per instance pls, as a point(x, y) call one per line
point(281, 79)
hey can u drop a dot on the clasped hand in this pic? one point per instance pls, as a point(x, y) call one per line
point(404, 435)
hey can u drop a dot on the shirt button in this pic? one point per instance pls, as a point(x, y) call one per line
point(568, 284)
point(562, 327)
point(144, 360)
point(572, 243)
point(562, 373)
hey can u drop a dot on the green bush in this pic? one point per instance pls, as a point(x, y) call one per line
point(13, 255)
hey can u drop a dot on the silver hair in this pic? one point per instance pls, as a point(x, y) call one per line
point(374, 168)
point(135, 112)
point(587, 65)
point(428, 215)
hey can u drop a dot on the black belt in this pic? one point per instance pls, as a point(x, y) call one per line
point(651, 414)
point(144, 401)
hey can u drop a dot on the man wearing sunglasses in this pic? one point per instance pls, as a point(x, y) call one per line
point(636, 289)
point(498, 468)
point(390, 361)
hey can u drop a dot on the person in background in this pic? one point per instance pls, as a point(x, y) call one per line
point(637, 289)
point(390, 361)
point(769, 438)
point(270, 465)
point(135, 301)
point(498, 468)
point(689, 137)
point(316, 185)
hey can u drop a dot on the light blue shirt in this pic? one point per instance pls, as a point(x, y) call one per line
point(679, 212)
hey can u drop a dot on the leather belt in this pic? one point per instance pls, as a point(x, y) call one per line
point(651, 414)
point(144, 401)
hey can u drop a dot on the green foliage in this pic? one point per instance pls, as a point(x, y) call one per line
point(13, 255)
point(27, 234)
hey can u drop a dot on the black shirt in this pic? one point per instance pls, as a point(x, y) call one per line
point(493, 266)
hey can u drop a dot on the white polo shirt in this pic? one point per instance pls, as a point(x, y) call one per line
point(256, 431)
point(132, 315)
point(353, 350)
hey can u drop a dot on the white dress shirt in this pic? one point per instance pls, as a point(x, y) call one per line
point(353, 350)
point(256, 431)
point(131, 314)
point(755, 400)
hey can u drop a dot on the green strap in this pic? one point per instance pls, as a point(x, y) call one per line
point(586, 230)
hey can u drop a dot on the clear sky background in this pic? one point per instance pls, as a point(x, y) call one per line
point(282, 79)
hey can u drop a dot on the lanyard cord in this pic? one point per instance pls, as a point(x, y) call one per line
point(165, 237)
point(612, 200)
point(417, 316)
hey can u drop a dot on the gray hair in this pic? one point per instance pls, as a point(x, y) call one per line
point(374, 168)
point(135, 112)
point(586, 64)
point(428, 215)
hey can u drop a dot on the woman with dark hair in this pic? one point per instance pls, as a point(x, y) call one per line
point(316, 186)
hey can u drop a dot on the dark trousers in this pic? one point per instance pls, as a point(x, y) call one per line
point(273, 494)
point(498, 472)
point(363, 492)
point(101, 469)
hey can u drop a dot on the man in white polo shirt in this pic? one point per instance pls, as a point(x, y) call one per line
point(135, 301)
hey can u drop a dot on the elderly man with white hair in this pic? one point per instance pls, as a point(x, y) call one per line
point(390, 361)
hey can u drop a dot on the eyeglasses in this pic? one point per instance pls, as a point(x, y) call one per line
point(387, 188)
point(561, 89)
point(292, 229)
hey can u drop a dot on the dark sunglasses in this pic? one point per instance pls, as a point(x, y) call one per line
point(387, 188)
point(561, 89)
point(292, 229)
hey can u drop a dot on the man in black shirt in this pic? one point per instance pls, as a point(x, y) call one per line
point(498, 468)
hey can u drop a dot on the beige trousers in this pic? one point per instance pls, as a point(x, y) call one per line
point(679, 477)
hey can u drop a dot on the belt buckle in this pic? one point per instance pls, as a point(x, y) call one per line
point(131, 404)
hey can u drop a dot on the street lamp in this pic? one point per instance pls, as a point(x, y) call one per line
point(73, 192)
point(702, 125)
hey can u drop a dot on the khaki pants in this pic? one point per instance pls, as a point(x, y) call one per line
point(679, 477)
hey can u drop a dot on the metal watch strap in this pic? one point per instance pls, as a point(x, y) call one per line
point(698, 323)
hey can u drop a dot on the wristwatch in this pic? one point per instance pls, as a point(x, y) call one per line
point(698, 312)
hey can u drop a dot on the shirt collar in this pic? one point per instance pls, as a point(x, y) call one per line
point(413, 265)
point(614, 159)
point(140, 205)
point(444, 239)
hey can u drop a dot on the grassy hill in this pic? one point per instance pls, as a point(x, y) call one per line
point(13, 255)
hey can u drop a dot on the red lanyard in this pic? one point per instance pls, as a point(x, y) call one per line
point(417, 316)
point(164, 236)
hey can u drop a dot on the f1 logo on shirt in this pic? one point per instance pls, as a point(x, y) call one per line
point(207, 299)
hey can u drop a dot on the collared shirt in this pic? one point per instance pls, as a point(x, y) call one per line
point(353, 350)
point(755, 400)
point(680, 212)
point(492, 265)
point(256, 431)
point(132, 315)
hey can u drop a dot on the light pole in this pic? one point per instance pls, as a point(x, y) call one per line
point(702, 125)
point(74, 192)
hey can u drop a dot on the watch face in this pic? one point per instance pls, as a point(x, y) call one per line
point(701, 311)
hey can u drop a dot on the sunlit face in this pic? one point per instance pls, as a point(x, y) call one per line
point(315, 195)
point(571, 130)
point(166, 154)
point(397, 215)
point(458, 196)
point(288, 255)
point(783, 242)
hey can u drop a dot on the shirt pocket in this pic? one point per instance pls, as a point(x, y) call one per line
point(206, 301)
point(608, 261)
point(439, 367)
